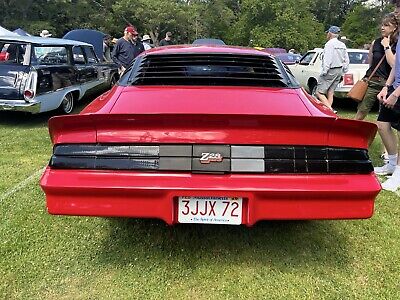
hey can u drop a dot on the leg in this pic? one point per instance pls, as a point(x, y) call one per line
point(323, 99)
point(389, 138)
point(330, 97)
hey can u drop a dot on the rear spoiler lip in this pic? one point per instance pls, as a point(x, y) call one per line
point(218, 129)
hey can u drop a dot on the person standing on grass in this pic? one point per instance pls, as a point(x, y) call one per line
point(389, 115)
point(381, 47)
point(127, 48)
point(167, 41)
point(334, 64)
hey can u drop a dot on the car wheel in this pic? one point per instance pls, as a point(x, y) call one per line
point(67, 104)
point(313, 89)
point(113, 81)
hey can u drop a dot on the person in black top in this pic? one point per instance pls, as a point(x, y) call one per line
point(127, 48)
point(167, 41)
point(383, 46)
point(386, 115)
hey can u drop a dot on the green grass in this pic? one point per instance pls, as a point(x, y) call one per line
point(54, 257)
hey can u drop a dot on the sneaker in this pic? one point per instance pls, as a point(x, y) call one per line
point(385, 157)
point(387, 169)
point(392, 184)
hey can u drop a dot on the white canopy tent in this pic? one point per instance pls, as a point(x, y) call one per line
point(6, 32)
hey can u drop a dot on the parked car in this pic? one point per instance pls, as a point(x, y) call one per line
point(288, 58)
point(308, 69)
point(44, 74)
point(216, 135)
point(208, 41)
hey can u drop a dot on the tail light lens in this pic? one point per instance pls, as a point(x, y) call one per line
point(348, 79)
point(29, 94)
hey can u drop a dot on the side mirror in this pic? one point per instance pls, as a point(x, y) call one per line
point(297, 61)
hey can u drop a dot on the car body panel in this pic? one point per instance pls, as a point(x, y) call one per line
point(207, 117)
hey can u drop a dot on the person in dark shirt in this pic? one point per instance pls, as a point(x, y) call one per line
point(381, 47)
point(127, 48)
point(167, 41)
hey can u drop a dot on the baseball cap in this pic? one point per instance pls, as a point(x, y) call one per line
point(333, 29)
point(131, 29)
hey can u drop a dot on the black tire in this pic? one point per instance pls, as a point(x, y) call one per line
point(67, 104)
point(313, 89)
point(113, 80)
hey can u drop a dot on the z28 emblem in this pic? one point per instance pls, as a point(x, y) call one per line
point(207, 157)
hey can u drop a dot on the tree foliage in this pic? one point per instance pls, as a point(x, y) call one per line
point(288, 24)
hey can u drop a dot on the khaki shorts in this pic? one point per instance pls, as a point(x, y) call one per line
point(374, 87)
point(329, 81)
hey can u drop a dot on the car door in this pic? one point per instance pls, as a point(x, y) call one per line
point(96, 78)
point(302, 69)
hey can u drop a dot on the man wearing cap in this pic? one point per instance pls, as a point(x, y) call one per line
point(127, 48)
point(146, 42)
point(335, 63)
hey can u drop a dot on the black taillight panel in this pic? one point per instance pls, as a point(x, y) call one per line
point(270, 159)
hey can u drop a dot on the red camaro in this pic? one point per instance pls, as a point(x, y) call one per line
point(218, 135)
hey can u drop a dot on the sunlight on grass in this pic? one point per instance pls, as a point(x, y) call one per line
point(56, 257)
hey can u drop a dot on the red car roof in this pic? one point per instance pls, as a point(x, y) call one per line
point(206, 49)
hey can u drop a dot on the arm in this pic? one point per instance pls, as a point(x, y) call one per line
point(327, 61)
point(370, 53)
point(390, 57)
point(383, 93)
point(115, 55)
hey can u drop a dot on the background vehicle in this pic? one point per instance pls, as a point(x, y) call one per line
point(308, 69)
point(288, 58)
point(44, 74)
point(208, 41)
point(216, 135)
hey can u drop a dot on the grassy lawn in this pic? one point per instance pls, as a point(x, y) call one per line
point(53, 257)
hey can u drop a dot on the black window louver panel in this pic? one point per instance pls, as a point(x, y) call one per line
point(209, 69)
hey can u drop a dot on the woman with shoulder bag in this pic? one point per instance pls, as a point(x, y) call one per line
point(381, 58)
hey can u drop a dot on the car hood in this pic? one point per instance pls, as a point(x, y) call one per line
point(206, 100)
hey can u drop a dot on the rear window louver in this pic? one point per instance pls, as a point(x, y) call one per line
point(209, 69)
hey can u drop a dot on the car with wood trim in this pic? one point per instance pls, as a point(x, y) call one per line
point(210, 135)
point(309, 67)
point(44, 74)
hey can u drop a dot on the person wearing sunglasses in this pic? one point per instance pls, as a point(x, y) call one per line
point(127, 48)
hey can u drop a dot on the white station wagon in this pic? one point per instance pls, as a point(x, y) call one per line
point(307, 70)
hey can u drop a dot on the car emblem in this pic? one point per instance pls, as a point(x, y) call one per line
point(207, 157)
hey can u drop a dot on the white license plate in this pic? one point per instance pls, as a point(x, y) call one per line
point(210, 210)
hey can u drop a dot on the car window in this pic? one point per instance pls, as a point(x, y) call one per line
point(78, 55)
point(12, 53)
point(307, 58)
point(90, 55)
point(48, 55)
point(358, 58)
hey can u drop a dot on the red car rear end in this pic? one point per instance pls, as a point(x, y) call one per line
point(215, 135)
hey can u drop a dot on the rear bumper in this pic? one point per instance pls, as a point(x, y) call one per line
point(20, 105)
point(154, 195)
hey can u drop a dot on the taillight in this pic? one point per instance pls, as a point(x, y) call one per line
point(29, 94)
point(348, 79)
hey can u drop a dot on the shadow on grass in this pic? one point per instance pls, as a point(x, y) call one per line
point(282, 244)
point(27, 120)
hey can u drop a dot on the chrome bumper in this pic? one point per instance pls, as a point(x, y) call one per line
point(20, 105)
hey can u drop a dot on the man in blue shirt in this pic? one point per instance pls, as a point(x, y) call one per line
point(127, 48)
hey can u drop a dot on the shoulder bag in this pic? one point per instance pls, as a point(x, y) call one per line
point(357, 92)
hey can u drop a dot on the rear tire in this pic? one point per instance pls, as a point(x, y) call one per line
point(67, 104)
point(313, 89)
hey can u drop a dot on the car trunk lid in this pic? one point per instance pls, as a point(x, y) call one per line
point(12, 81)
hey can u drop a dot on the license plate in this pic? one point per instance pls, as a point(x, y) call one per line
point(210, 210)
